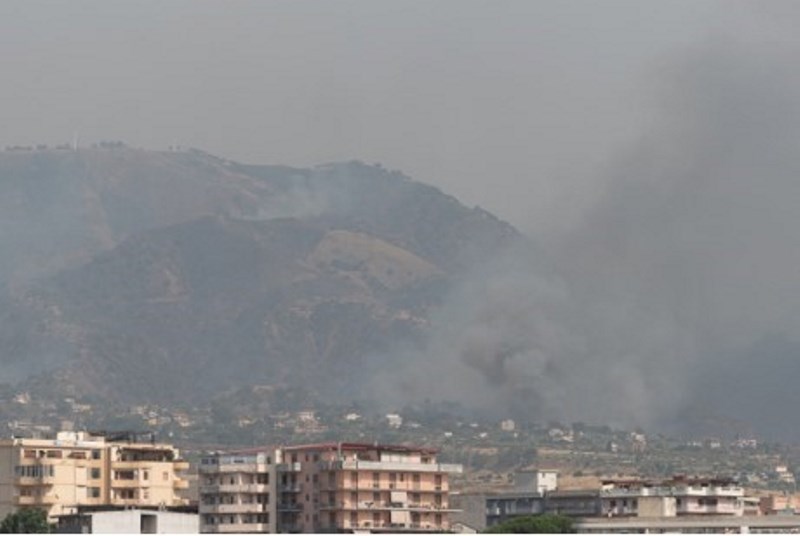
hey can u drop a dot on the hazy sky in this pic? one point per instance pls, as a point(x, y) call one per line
point(515, 106)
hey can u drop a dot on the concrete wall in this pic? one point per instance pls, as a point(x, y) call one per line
point(131, 522)
point(657, 507)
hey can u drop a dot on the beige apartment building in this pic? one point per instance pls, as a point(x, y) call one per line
point(327, 487)
point(80, 468)
point(237, 492)
point(346, 487)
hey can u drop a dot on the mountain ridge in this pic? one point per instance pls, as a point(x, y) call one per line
point(174, 276)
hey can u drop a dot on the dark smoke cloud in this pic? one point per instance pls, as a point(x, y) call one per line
point(686, 263)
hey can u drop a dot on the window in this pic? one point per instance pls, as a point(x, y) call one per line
point(94, 473)
point(145, 475)
point(165, 476)
point(94, 493)
point(376, 497)
point(34, 471)
point(96, 454)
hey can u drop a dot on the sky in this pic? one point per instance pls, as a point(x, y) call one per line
point(515, 106)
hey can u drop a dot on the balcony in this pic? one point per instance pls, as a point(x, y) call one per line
point(180, 465)
point(180, 484)
point(295, 467)
point(129, 465)
point(119, 501)
point(235, 488)
point(127, 484)
point(383, 506)
point(34, 480)
point(289, 507)
point(25, 500)
point(290, 488)
point(394, 527)
point(246, 508)
point(394, 467)
point(236, 528)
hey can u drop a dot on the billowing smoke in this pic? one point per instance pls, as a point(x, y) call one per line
point(673, 279)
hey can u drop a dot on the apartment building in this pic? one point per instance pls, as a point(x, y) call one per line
point(343, 487)
point(678, 496)
point(81, 468)
point(237, 492)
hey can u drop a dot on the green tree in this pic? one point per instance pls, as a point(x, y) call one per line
point(25, 521)
point(540, 524)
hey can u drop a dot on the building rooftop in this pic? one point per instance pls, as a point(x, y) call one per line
point(362, 447)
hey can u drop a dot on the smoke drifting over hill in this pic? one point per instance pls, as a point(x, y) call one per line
point(675, 277)
point(647, 304)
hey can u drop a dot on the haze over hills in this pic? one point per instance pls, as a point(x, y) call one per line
point(134, 275)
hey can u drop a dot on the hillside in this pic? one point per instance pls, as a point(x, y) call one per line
point(133, 275)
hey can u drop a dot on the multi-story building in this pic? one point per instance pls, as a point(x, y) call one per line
point(79, 468)
point(342, 487)
point(237, 492)
point(679, 496)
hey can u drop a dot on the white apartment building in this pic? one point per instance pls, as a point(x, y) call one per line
point(679, 496)
point(237, 492)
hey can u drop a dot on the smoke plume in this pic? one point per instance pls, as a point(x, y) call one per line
point(674, 277)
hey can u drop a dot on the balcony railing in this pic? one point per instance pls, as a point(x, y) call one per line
point(27, 500)
point(354, 465)
point(237, 528)
point(34, 480)
point(180, 465)
point(289, 467)
point(129, 483)
point(377, 506)
point(245, 508)
point(234, 488)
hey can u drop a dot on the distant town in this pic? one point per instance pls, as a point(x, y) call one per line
point(392, 472)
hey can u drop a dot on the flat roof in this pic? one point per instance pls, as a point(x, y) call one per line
point(361, 447)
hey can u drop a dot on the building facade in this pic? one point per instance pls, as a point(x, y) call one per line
point(82, 469)
point(678, 496)
point(342, 487)
point(238, 492)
